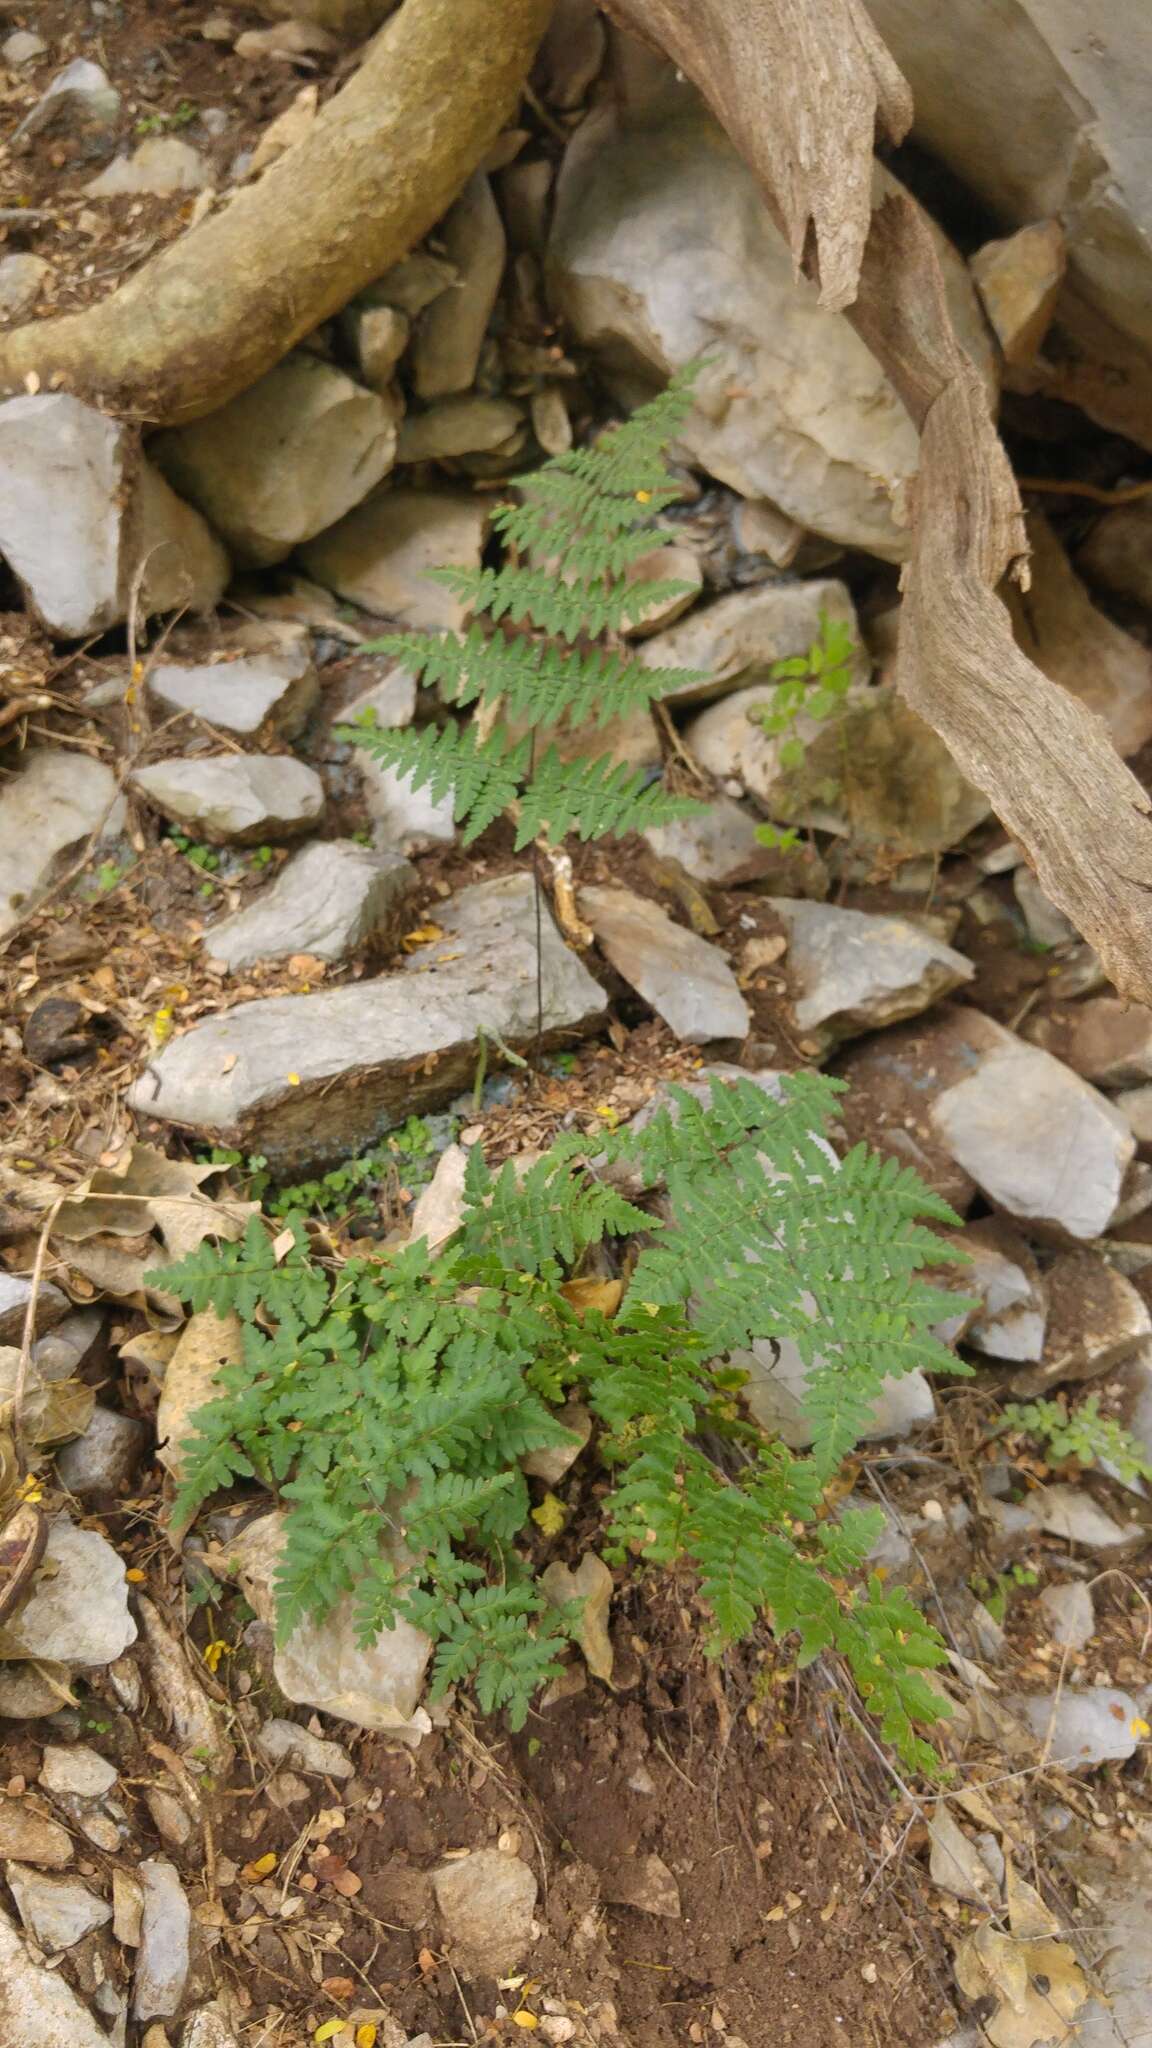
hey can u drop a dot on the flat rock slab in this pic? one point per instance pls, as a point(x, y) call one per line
point(78, 1614)
point(379, 556)
point(256, 697)
point(854, 972)
point(51, 807)
point(235, 799)
point(1081, 1729)
point(687, 982)
point(1096, 1320)
point(1105, 1039)
point(1004, 1275)
point(36, 2005)
point(716, 844)
point(307, 1079)
point(743, 634)
point(777, 1387)
point(331, 899)
point(57, 1911)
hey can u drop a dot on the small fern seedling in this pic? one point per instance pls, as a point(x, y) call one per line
point(543, 645)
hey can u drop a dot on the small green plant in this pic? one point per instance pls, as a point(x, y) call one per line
point(995, 1592)
point(1081, 1433)
point(813, 686)
point(579, 525)
point(260, 857)
point(206, 858)
point(409, 1150)
point(161, 123)
point(389, 1401)
point(109, 875)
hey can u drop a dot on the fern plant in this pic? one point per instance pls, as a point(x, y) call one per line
point(389, 1402)
point(542, 644)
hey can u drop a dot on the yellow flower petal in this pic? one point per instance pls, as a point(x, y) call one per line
point(1139, 1728)
point(525, 2019)
point(366, 2035)
point(293, 1080)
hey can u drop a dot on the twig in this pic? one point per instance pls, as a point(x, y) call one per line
point(1064, 487)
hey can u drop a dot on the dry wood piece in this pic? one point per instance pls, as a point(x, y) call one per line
point(216, 308)
point(801, 86)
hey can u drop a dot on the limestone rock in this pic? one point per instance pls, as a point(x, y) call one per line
point(76, 516)
point(672, 564)
point(80, 1614)
point(374, 1051)
point(853, 971)
point(1106, 1039)
point(1019, 280)
point(378, 337)
point(57, 1911)
point(889, 778)
point(1081, 1729)
point(36, 2005)
point(1047, 926)
point(735, 748)
point(959, 1088)
point(78, 1771)
point(1069, 1613)
point(715, 844)
point(1012, 1318)
point(447, 345)
point(28, 1691)
point(687, 982)
point(1071, 1512)
point(79, 97)
point(22, 278)
point(1135, 1105)
point(1119, 1875)
point(15, 1294)
point(285, 1742)
point(321, 1664)
point(463, 425)
point(406, 820)
point(412, 284)
point(163, 1958)
point(285, 458)
point(380, 555)
point(22, 47)
point(332, 898)
point(235, 799)
point(740, 636)
point(486, 1902)
point(1059, 628)
point(46, 811)
point(257, 697)
point(1118, 552)
point(1096, 1319)
point(1044, 122)
point(778, 1382)
point(662, 249)
point(30, 1837)
point(162, 164)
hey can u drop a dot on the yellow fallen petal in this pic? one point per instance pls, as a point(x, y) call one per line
point(329, 2028)
point(135, 1576)
point(263, 1867)
point(366, 2035)
point(525, 2019)
point(293, 1080)
point(1139, 1728)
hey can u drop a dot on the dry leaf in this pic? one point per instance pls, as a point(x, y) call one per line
point(207, 1344)
point(1038, 1987)
point(583, 1295)
point(51, 1412)
point(143, 1191)
point(591, 1582)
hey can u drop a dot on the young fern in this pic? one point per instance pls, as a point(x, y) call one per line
point(390, 1402)
point(579, 525)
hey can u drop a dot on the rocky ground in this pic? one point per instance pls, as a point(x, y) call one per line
point(241, 958)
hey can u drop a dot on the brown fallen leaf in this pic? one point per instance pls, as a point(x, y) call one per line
point(207, 1343)
point(584, 1295)
point(144, 1191)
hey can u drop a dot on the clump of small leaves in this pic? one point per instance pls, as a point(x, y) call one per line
point(389, 1402)
point(206, 858)
point(1080, 1433)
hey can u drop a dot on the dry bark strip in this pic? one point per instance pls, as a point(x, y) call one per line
point(383, 160)
point(802, 86)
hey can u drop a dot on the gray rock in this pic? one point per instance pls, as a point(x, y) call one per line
point(376, 1050)
point(106, 1459)
point(380, 555)
point(685, 980)
point(1081, 1729)
point(36, 2005)
point(171, 1819)
point(285, 458)
point(778, 1383)
point(78, 1772)
point(284, 1742)
point(446, 349)
point(486, 1902)
point(740, 636)
point(1045, 122)
point(1105, 1039)
point(674, 564)
point(716, 844)
point(1096, 1320)
point(1118, 552)
point(1069, 1613)
point(1047, 926)
point(1060, 629)
point(79, 1615)
point(27, 1691)
point(1011, 1322)
point(57, 1911)
point(791, 406)
point(1071, 1512)
point(162, 164)
point(321, 1664)
point(211, 2027)
point(15, 1294)
point(163, 1958)
point(79, 510)
point(1135, 1106)
point(889, 779)
point(80, 96)
point(412, 284)
point(998, 1123)
point(235, 799)
point(30, 1837)
point(1134, 1380)
point(69, 1344)
point(853, 971)
point(47, 811)
point(378, 337)
point(389, 698)
point(464, 425)
point(405, 819)
point(735, 748)
point(257, 696)
point(332, 898)
point(22, 278)
point(1019, 279)
point(23, 46)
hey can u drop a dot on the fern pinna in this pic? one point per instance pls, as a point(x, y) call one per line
point(390, 1401)
point(579, 525)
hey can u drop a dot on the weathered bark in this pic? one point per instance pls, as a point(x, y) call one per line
point(799, 86)
point(383, 160)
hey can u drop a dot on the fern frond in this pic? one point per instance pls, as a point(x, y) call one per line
point(567, 611)
point(534, 680)
point(594, 799)
point(482, 776)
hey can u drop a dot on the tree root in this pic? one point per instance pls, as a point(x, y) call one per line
point(219, 306)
